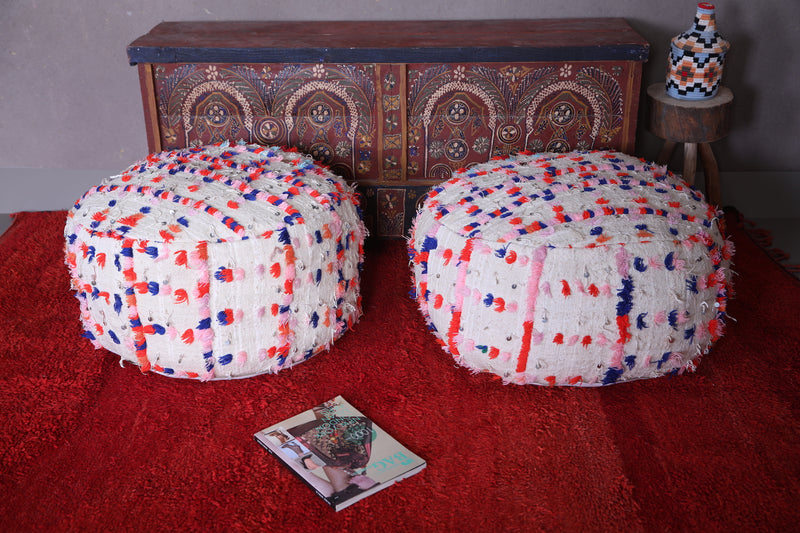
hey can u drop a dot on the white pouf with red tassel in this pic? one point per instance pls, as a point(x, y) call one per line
point(585, 268)
point(223, 261)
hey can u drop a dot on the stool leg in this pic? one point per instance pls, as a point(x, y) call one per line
point(666, 152)
point(689, 162)
point(711, 171)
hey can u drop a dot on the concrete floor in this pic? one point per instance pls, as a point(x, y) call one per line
point(5, 222)
point(785, 235)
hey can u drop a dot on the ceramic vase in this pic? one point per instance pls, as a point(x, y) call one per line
point(696, 58)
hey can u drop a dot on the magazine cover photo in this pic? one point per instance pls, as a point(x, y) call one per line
point(339, 452)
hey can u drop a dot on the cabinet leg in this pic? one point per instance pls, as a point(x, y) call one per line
point(689, 162)
point(711, 171)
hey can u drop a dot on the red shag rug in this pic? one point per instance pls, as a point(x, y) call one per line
point(88, 445)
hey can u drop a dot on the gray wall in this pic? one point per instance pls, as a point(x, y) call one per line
point(69, 100)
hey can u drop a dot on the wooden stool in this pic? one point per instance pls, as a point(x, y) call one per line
point(693, 123)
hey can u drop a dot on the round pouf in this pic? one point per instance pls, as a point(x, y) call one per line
point(222, 261)
point(585, 268)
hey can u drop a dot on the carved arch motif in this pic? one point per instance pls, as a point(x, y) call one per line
point(210, 87)
point(455, 87)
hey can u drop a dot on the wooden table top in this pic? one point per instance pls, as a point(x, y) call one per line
point(400, 41)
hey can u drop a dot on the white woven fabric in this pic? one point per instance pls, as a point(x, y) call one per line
point(571, 269)
point(223, 261)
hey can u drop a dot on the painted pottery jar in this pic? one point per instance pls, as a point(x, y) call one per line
point(696, 58)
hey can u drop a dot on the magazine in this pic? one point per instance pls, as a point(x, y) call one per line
point(339, 452)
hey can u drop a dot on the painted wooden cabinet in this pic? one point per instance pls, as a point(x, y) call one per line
point(394, 107)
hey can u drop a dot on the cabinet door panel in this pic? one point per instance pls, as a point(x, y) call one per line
point(327, 111)
point(463, 114)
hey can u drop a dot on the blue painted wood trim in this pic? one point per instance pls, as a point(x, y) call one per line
point(622, 52)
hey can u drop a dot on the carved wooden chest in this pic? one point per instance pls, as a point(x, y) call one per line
point(397, 106)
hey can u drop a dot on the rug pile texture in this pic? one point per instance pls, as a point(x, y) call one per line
point(89, 445)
